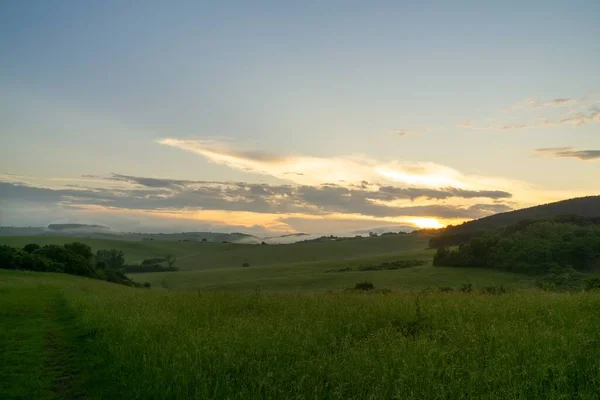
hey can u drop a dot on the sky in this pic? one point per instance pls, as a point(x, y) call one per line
point(281, 117)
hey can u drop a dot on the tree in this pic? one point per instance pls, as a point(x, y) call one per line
point(170, 259)
point(73, 263)
point(112, 259)
point(9, 258)
point(80, 248)
point(31, 247)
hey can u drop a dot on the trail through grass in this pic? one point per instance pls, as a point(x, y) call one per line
point(38, 345)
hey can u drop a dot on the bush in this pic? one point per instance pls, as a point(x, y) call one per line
point(495, 290)
point(147, 285)
point(83, 250)
point(74, 263)
point(364, 286)
point(112, 259)
point(245, 265)
point(591, 283)
point(466, 288)
point(31, 247)
point(10, 258)
point(445, 289)
point(146, 268)
point(153, 261)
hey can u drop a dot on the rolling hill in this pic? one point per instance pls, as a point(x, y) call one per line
point(194, 255)
point(588, 207)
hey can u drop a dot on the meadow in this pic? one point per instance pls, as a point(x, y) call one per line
point(290, 326)
point(73, 337)
point(304, 266)
point(192, 256)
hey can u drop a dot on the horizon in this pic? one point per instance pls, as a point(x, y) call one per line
point(275, 119)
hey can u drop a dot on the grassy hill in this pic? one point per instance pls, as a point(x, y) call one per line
point(304, 266)
point(201, 255)
point(65, 337)
point(325, 275)
point(583, 206)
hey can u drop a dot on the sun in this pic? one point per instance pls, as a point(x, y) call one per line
point(427, 223)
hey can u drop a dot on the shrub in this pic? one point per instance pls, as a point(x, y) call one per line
point(153, 261)
point(147, 285)
point(245, 265)
point(133, 268)
point(495, 290)
point(466, 288)
point(31, 247)
point(113, 259)
point(81, 249)
point(445, 289)
point(10, 258)
point(591, 283)
point(364, 286)
point(74, 263)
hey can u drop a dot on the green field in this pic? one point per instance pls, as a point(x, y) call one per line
point(66, 337)
point(314, 276)
point(292, 267)
point(287, 328)
point(199, 255)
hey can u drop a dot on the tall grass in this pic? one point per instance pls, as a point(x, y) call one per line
point(160, 345)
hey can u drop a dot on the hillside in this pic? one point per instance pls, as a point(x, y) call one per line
point(194, 255)
point(583, 206)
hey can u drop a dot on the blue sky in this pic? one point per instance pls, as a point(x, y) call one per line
point(256, 93)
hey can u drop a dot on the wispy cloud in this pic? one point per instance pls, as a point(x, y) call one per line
point(535, 114)
point(569, 152)
point(409, 132)
point(341, 170)
point(537, 104)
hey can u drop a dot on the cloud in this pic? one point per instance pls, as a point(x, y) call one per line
point(548, 113)
point(407, 132)
point(568, 152)
point(342, 170)
point(537, 104)
point(152, 194)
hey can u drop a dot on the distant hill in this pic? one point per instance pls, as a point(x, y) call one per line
point(588, 207)
point(66, 227)
point(103, 232)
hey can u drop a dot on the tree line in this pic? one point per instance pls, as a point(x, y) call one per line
point(72, 258)
point(557, 251)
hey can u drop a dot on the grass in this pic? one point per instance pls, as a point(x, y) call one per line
point(156, 344)
point(37, 345)
point(193, 256)
point(292, 267)
point(316, 276)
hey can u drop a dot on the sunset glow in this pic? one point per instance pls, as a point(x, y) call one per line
point(427, 223)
